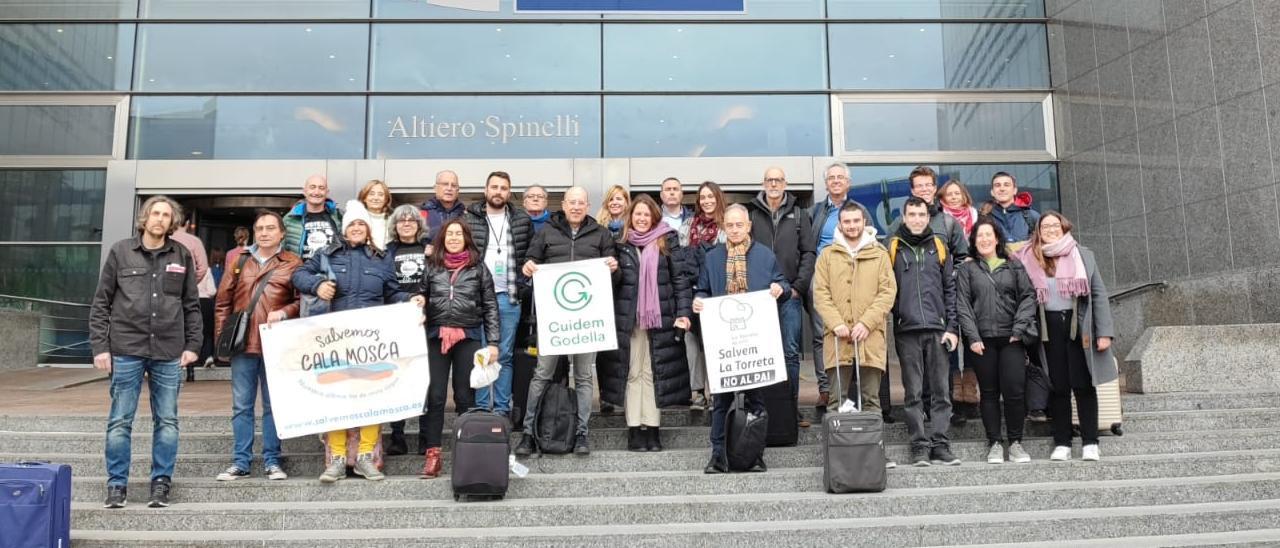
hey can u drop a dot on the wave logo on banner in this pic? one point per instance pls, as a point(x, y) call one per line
point(341, 355)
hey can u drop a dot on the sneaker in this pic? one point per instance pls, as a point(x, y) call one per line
point(117, 496)
point(336, 470)
point(233, 473)
point(580, 445)
point(889, 464)
point(699, 402)
point(160, 488)
point(1090, 452)
point(941, 454)
point(1017, 453)
point(717, 465)
point(1037, 416)
point(1061, 453)
point(275, 473)
point(365, 467)
point(995, 455)
point(525, 447)
point(920, 456)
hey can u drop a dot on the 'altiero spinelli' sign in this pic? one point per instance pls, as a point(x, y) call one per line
point(634, 6)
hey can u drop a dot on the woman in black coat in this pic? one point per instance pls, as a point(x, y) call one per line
point(996, 305)
point(653, 301)
point(462, 310)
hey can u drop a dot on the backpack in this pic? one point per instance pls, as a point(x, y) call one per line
point(937, 243)
point(557, 420)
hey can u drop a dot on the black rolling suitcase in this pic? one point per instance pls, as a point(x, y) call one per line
point(780, 403)
point(481, 469)
point(744, 436)
point(853, 459)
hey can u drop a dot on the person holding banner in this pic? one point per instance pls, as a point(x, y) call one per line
point(853, 291)
point(571, 235)
point(462, 311)
point(350, 275)
point(739, 265)
point(408, 254)
point(653, 301)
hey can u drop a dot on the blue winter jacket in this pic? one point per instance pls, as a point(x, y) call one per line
point(1016, 221)
point(365, 277)
point(762, 270)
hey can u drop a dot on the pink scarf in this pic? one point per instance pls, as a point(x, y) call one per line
point(963, 214)
point(451, 335)
point(648, 309)
point(1069, 271)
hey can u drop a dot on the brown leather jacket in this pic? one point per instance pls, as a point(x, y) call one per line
point(279, 295)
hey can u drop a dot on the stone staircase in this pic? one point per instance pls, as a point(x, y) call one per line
point(1191, 470)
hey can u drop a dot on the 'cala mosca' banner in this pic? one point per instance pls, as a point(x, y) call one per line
point(346, 369)
point(575, 308)
point(742, 342)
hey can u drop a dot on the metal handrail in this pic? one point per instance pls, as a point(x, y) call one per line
point(1119, 295)
point(63, 338)
point(43, 301)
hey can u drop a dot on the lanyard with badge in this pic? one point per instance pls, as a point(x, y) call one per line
point(500, 263)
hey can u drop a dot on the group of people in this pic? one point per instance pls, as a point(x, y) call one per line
point(1003, 283)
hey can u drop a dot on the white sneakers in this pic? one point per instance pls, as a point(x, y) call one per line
point(1088, 453)
point(995, 454)
point(1061, 453)
point(1018, 454)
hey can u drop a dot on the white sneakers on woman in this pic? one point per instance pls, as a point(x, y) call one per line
point(1088, 453)
point(1061, 453)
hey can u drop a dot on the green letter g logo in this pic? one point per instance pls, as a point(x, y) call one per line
point(571, 291)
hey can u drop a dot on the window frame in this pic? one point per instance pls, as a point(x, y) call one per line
point(119, 134)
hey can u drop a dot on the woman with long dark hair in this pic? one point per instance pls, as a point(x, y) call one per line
point(699, 233)
point(462, 310)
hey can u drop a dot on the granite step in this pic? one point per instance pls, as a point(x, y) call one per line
point(1251, 538)
point(310, 464)
point(914, 530)
point(539, 485)
point(1200, 401)
point(626, 510)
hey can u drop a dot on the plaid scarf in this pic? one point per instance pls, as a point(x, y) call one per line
point(736, 266)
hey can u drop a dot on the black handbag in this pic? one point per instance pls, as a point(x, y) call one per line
point(235, 329)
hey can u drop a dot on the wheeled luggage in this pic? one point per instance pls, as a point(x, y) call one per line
point(481, 449)
point(853, 459)
point(1110, 414)
point(745, 435)
point(35, 505)
point(780, 405)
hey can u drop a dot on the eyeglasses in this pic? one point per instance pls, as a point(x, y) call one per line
point(1050, 225)
point(535, 196)
point(774, 181)
point(837, 177)
point(407, 221)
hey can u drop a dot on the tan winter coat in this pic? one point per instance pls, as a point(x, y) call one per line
point(848, 290)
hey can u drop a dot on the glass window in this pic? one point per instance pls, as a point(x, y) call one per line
point(56, 130)
point(65, 57)
point(939, 56)
point(255, 9)
point(485, 127)
point(756, 9)
point(195, 128)
point(258, 57)
point(884, 188)
point(698, 57)
point(58, 272)
point(499, 57)
point(51, 205)
point(933, 9)
point(716, 125)
point(461, 9)
point(926, 126)
point(68, 9)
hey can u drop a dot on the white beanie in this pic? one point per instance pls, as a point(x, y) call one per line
point(355, 212)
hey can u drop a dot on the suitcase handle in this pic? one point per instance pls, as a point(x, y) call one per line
point(857, 375)
point(32, 462)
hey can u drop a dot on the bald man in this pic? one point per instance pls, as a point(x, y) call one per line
point(570, 235)
point(314, 222)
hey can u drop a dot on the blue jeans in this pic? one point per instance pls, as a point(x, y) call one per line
point(509, 316)
point(790, 320)
point(164, 379)
point(247, 374)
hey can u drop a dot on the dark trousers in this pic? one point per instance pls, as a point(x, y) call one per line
point(1002, 374)
point(1069, 374)
point(457, 361)
point(397, 430)
point(721, 403)
point(924, 363)
point(206, 316)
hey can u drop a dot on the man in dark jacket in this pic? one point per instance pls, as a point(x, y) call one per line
point(535, 204)
point(1011, 210)
point(778, 223)
point(145, 318)
point(924, 185)
point(443, 206)
point(713, 281)
point(571, 235)
point(501, 232)
point(314, 223)
point(924, 329)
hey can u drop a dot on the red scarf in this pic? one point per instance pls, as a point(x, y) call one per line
point(451, 335)
point(703, 230)
point(963, 214)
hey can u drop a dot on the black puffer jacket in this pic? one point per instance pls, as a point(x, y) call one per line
point(558, 244)
point(995, 304)
point(666, 351)
point(467, 302)
point(789, 236)
point(521, 233)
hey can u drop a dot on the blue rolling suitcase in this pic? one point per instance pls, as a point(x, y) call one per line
point(35, 505)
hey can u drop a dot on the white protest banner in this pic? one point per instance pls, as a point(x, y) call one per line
point(575, 308)
point(742, 342)
point(346, 369)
